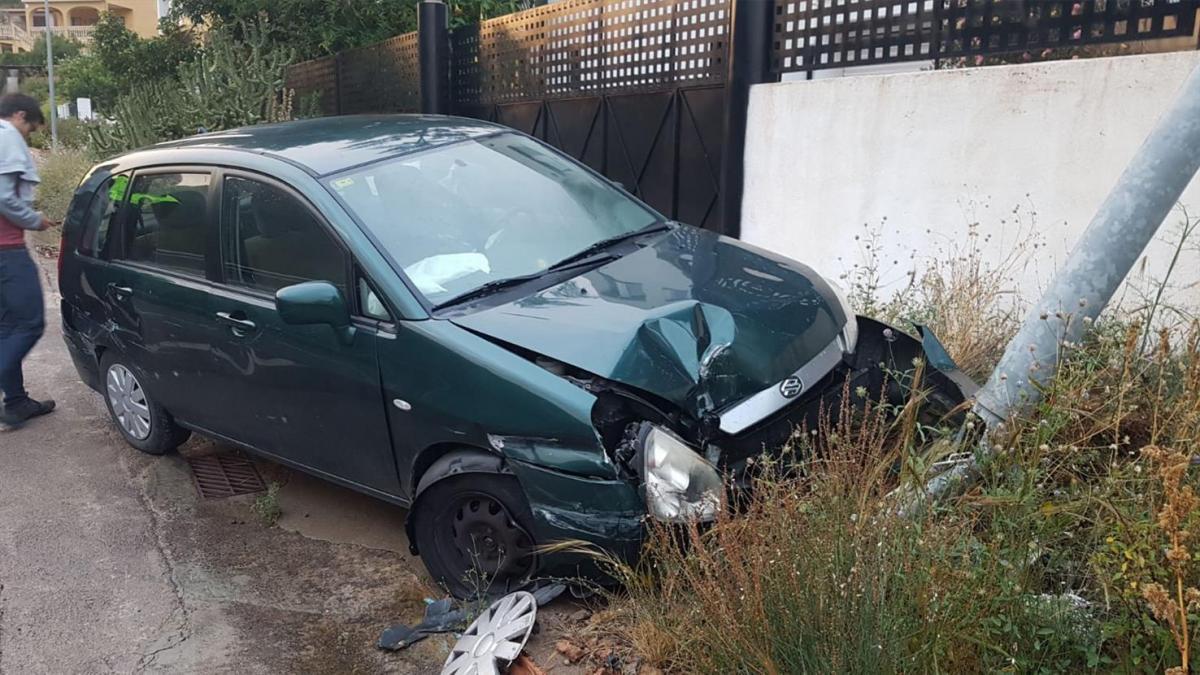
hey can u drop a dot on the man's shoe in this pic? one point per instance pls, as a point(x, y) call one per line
point(17, 414)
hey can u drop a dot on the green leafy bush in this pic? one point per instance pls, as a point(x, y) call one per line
point(85, 76)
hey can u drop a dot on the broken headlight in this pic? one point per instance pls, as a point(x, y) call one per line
point(679, 484)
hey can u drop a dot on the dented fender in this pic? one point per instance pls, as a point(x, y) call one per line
point(607, 513)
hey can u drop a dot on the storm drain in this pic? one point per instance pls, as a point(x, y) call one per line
point(219, 476)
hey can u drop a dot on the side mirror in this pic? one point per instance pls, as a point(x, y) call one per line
point(315, 302)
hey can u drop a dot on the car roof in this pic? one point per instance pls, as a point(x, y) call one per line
point(326, 145)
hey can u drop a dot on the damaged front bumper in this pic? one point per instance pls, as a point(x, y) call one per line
point(669, 479)
point(881, 361)
point(882, 364)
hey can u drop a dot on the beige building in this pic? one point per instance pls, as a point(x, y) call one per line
point(76, 19)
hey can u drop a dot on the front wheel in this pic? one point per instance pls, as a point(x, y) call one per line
point(143, 423)
point(473, 532)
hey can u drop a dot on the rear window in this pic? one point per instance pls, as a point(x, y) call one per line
point(99, 216)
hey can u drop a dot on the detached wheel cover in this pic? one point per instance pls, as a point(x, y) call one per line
point(495, 639)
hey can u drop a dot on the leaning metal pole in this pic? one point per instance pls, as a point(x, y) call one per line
point(1114, 240)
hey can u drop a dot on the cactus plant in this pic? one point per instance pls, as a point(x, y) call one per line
point(236, 80)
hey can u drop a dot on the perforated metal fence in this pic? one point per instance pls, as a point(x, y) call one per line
point(383, 77)
point(581, 47)
point(813, 35)
point(317, 80)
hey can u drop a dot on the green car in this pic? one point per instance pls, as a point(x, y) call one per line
point(453, 317)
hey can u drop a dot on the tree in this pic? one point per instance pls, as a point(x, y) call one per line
point(85, 76)
point(132, 60)
point(310, 27)
point(316, 28)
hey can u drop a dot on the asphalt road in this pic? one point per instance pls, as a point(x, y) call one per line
point(111, 562)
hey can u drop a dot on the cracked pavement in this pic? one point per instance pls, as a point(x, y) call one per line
point(111, 562)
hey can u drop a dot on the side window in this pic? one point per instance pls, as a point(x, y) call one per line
point(168, 221)
point(271, 239)
point(372, 306)
point(96, 221)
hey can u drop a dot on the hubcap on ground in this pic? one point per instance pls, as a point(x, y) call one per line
point(487, 540)
point(128, 402)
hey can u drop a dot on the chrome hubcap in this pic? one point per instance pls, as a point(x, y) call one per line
point(128, 402)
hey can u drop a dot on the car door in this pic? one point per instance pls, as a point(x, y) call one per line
point(155, 287)
point(299, 393)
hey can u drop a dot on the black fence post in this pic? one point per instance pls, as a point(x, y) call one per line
point(749, 63)
point(433, 44)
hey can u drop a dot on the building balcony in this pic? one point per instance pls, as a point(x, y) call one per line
point(24, 38)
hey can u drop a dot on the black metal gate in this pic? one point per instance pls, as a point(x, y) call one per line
point(663, 146)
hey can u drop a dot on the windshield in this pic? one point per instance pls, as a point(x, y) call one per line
point(503, 206)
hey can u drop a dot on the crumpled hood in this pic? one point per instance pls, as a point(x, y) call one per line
point(693, 317)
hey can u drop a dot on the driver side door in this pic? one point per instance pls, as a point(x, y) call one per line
point(299, 393)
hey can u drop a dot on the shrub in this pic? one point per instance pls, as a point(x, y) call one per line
point(72, 133)
point(60, 170)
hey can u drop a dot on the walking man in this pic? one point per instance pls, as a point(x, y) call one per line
point(22, 312)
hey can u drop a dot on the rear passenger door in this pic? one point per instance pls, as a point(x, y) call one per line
point(296, 392)
point(157, 287)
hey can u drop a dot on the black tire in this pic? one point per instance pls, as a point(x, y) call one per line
point(162, 434)
point(488, 510)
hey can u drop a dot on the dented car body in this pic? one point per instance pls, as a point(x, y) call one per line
point(505, 342)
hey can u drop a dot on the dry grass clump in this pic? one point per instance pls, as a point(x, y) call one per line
point(1171, 607)
point(967, 296)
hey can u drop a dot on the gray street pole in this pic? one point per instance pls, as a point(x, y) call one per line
point(1117, 236)
point(50, 74)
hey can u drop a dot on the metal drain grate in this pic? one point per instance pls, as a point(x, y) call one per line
point(219, 476)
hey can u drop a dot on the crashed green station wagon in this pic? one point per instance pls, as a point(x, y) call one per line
point(454, 317)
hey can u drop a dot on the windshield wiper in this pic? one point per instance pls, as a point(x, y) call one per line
point(497, 285)
point(599, 246)
point(489, 288)
point(593, 253)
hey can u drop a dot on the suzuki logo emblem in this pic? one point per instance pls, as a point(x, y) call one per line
point(791, 387)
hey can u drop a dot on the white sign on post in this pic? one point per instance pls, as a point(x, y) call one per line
point(83, 108)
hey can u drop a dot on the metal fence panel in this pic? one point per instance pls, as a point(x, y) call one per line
point(316, 79)
point(813, 35)
point(380, 78)
point(580, 47)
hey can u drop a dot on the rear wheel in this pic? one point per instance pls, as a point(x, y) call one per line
point(474, 534)
point(144, 424)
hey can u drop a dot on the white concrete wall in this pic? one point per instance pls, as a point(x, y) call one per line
point(932, 152)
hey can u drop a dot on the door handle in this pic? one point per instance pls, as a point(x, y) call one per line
point(121, 292)
point(240, 326)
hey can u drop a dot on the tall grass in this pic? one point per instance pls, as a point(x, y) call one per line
point(60, 170)
point(1058, 561)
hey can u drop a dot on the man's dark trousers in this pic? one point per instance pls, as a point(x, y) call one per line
point(22, 319)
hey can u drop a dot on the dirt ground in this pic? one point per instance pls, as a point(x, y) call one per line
point(111, 562)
